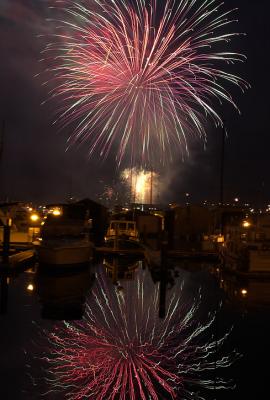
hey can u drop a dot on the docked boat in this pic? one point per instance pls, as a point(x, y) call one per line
point(65, 238)
point(63, 295)
point(247, 247)
point(121, 268)
point(122, 234)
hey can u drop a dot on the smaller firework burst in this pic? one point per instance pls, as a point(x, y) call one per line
point(143, 185)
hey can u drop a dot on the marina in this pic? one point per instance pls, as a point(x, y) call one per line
point(134, 200)
point(56, 286)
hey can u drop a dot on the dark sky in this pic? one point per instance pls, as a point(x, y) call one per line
point(36, 167)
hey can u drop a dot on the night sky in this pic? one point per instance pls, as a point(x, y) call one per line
point(36, 167)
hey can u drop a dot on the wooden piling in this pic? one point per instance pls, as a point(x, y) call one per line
point(6, 244)
point(163, 278)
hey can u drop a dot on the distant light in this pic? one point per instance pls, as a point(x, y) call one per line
point(34, 217)
point(30, 287)
point(30, 209)
point(56, 212)
point(246, 224)
point(220, 239)
point(244, 292)
point(236, 199)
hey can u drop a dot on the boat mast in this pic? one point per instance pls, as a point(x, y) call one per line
point(2, 132)
point(2, 139)
point(221, 196)
point(151, 187)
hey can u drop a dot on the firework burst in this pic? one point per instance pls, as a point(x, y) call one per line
point(143, 184)
point(141, 75)
point(122, 350)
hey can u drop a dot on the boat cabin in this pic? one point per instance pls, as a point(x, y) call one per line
point(122, 228)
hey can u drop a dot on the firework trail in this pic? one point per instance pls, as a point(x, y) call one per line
point(122, 350)
point(141, 75)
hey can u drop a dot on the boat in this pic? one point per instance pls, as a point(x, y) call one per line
point(62, 295)
point(121, 268)
point(247, 246)
point(122, 234)
point(247, 256)
point(65, 238)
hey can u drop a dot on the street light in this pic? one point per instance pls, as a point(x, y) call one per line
point(34, 217)
point(30, 287)
point(244, 292)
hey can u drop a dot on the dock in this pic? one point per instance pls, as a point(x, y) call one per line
point(194, 255)
point(23, 259)
point(153, 257)
point(114, 251)
point(18, 261)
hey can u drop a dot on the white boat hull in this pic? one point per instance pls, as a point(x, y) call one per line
point(64, 255)
point(251, 261)
point(259, 261)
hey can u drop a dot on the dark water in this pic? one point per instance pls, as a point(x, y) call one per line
point(35, 302)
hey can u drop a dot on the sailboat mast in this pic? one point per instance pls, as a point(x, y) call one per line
point(2, 133)
point(151, 187)
point(2, 140)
